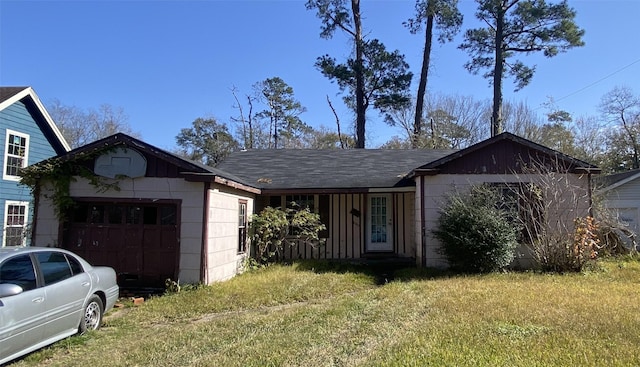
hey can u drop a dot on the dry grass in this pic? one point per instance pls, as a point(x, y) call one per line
point(295, 316)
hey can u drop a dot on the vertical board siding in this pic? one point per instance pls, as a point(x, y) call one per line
point(346, 237)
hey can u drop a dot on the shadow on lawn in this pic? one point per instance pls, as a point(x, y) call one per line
point(383, 271)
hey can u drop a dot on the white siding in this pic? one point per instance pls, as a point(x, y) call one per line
point(623, 202)
point(438, 187)
point(223, 258)
point(190, 194)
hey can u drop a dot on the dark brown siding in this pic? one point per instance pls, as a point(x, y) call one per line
point(501, 158)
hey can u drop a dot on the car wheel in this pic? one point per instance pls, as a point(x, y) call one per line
point(92, 315)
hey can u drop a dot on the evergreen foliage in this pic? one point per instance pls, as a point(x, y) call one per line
point(475, 231)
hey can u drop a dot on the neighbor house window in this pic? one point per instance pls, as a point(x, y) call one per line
point(15, 223)
point(15, 154)
point(242, 226)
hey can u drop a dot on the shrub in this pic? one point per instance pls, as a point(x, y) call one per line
point(274, 228)
point(476, 233)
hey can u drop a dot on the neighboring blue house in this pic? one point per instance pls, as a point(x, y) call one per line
point(27, 135)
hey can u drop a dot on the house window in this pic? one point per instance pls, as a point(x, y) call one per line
point(320, 204)
point(15, 223)
point(525, 203)
point(301, 202)
point(242, 226)
point(15, 154)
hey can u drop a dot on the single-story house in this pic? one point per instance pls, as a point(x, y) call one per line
point(172, 218)
point(619, 196)
point(385, 203)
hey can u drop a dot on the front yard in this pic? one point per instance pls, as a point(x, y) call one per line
point(309, 314)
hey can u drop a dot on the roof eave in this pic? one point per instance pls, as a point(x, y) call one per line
point(212, 177)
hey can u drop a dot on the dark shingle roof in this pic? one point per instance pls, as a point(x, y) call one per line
point(606, 181)
point(8, 92)
point(285, 169)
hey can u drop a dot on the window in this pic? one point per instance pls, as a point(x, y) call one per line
point(242, 226)
point(54, 266)
point(525, 203)
point(301, 202)
point(15, 155)
point(320, 204)
point(18, 270)
point(15, 223)
point(124, 214)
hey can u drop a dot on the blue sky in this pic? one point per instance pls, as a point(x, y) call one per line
point(167, 63)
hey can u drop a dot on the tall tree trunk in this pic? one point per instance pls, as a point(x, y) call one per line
point(359, 71)
point(424, 73)
point(496, 115)
point(634, 142)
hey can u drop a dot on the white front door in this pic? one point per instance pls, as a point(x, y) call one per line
point(379, 223)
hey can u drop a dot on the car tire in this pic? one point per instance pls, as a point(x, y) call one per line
point(91, 315)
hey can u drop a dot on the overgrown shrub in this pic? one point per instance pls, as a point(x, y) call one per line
point(476, 233)
point(274, 228)
point(560, 253)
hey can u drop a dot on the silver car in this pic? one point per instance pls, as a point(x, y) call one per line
point(47, 294)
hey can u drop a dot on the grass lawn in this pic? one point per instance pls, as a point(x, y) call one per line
point(312, 314)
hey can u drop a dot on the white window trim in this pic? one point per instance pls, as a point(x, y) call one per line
point(6, 154)
point(5, 217)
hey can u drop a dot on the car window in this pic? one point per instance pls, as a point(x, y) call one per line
point(76, 268)
point(18, 270)
point(54, 266)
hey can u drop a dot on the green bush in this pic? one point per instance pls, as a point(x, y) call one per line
point(476, 232)
point(273, 229)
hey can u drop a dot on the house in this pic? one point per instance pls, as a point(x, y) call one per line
point(385, 203)
point(619, 196)
point(153, 215)
point(147, 213)
point(27, 135)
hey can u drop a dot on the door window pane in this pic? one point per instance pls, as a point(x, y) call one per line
point(378, 220)
point(150, 215)
point(168, 215)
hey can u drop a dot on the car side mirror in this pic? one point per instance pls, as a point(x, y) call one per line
point(8, 290)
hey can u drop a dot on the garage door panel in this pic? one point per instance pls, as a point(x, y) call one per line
point(140, 241)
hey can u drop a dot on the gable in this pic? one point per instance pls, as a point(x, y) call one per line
point(120, 154)
point(17, 118)
point(21, 110)
point(505, 154)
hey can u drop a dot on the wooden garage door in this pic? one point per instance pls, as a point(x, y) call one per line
point(140, 241)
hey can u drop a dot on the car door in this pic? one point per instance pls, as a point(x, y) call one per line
point(22, 316)
point(66, 287)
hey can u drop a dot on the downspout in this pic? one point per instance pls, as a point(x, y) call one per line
point(423, 243)
point(204, 258)
point(36, 202)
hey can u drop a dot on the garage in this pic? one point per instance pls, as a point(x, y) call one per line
point(140, 240)
point(149, 214)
